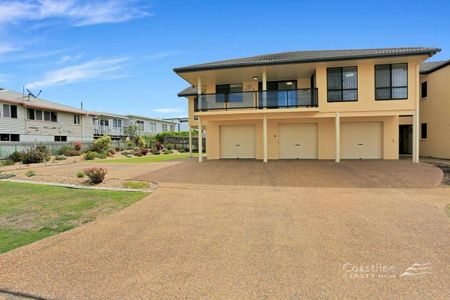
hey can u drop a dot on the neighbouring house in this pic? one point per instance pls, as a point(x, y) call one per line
point(151, 126)
point(329, 104)
point(110, 124)
point(28, 119)
point(434, 113)
point(181, 124)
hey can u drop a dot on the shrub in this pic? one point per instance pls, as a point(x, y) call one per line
point(127, 152)
point(111, 151)
point(144, 151)
point(80, 174)
point(68, 151)
point(139, 154)
point(96, 175)
point(103, 143)
point(158, 146)
point(30, 173)
point(8, 162)
point(169, 146)
point(102, 155)
point(90, 155)
point(60, 157)
point(37, 155)
point(155, 151)
point(129, 145)
point(140, 142)
point(16, 156)
point(77, 145)
point(136, 184)
point(167, 151)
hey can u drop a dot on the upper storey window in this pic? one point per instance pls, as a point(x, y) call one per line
point(391, 82)
point(342, 84)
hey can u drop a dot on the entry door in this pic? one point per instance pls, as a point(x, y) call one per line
point(362, 140)
point(405, 139)
point(238, 141)
point(297, 141)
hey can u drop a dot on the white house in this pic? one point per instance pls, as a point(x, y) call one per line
point(28, 119)
point(151, 126)
point(182, 124)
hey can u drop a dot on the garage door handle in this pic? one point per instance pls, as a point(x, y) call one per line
point(360, 144)
point(237, 145)
point(297, 145)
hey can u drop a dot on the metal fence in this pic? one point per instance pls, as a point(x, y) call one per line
point(6, 148)
point(181, 142)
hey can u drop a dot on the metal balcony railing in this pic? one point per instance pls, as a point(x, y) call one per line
point(258, 100)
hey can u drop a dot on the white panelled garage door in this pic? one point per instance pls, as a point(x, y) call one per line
point(297, 141)
point(238, 141)
point(362, 140)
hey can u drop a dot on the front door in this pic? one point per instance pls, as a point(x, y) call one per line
point(405, 139)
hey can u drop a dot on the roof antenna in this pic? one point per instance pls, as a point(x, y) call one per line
point(33, 95)
point(81, 106)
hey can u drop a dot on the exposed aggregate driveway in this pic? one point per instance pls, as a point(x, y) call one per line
point(242, 229)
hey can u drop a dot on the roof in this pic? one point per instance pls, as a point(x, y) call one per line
point(107, 114)
point(148, 118)
point(38, 103)
point(190, 91)
point(431, 66)
point(308, 56)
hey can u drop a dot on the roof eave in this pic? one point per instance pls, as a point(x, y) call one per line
point(435, 68)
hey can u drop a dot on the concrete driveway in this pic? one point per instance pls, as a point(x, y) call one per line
point(280, 239)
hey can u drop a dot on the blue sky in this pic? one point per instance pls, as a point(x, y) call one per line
point(118, 56)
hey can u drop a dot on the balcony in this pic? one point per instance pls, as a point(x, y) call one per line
point(111, 131)
point(257, 100)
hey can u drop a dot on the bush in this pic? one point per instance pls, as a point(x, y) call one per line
point(30, 173)
point(102, 155)
point(90, 155)
point(169, 146)
point(136, 184)
point(155, 151)
point(144, 151)
point(140, 142)
point(77, 146)
point(60, 157)
point(80, 174)
point(127, 152)
point(96, 175)
point(111, 151)
point(167, 151)
point(37, 155)
point(8, 162)
point(68, 151)
point(138, 153)
point(16, 156)
point(103, 143)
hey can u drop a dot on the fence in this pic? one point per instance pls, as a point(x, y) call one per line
point(6, 148)
point(181, 142)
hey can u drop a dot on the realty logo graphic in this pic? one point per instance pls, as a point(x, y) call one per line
point(417, 270)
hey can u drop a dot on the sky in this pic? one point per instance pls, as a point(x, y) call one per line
point(118, 55)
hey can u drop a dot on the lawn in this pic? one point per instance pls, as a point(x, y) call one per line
point(30, 212)
point(149, 158)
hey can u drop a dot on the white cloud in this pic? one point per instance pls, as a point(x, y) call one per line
point(67, 58)
point(6, 48)
point(159, 55)
point(94, 69)
point(167, 110)
point(80, 13)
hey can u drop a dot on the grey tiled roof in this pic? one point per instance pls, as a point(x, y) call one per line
point(431, 66)
point(308, 56)
point(190, 91)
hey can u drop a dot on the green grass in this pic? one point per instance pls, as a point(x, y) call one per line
point(30, 212)
point(136, 184)
point(148, 158)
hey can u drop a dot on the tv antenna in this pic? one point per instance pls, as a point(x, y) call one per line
point(30, 93)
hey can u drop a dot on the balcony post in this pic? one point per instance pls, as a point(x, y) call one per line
point(338, 137)
point(200, 140)
point(416, 120)
point(265, 139)
point(199, 93)
point(264, 88)
point(190, 141)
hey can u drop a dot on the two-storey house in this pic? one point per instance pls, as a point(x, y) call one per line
point(330, 104)
point(28, 119)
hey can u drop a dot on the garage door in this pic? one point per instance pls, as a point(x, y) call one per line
point(297, 141)
point(362, 140)
point(238, 141)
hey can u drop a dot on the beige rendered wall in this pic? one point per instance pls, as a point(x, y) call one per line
point(326, 135)
point(435, 111)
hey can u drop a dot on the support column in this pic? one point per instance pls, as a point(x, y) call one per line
point(338, 137)
point(415, 129)
point(190, 141)
point(200, 140)
point(264, 88)
point(265, 139)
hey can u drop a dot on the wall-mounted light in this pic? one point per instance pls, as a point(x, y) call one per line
point(255, 77)
point(289, 83)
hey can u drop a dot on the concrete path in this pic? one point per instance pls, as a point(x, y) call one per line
point(248, 242)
